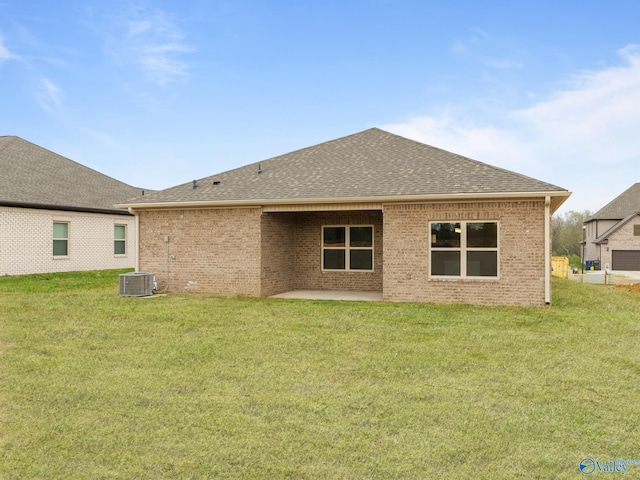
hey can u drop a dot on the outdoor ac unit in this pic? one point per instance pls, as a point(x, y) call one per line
point(137, 284)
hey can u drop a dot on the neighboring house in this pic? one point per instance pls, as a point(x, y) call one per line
point(57, 215)
point(371, 212)
point(612, 235)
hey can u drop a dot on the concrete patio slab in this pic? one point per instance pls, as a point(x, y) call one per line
point(328, 295)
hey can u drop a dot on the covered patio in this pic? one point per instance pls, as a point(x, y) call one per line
point(301, 259)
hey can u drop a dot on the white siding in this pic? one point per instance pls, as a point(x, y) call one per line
point(26, 241)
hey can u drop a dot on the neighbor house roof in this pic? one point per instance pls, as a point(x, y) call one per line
point(373, 165)
point(604, 238)
point(627, 203)
point(34, 177)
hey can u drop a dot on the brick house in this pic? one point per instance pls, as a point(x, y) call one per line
point(612, 234)
point(57, 215)
point(370, 212)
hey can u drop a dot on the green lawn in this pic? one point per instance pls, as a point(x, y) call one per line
point(94, 385)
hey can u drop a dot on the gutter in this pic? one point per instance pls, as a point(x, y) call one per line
point(560, 198)
point(136, 240)
point(547, 250)
point(64, 208)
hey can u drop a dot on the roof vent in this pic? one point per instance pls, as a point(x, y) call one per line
point(195, 184)
point(259, 168)
point(216, 182)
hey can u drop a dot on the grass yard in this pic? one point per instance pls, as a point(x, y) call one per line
point(98, 386)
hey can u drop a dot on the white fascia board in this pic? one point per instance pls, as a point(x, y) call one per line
point(560, 197)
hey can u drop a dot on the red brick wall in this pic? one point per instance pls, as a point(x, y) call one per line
point(521, 254)
point(210, 250)
point(278, 254)
point(308, 252)
point(244, 252)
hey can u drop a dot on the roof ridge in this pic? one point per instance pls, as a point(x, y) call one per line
point(316, 145)
point(449, 152)
point(10, 140)
point(612, 204)
point(34, 175)
point(275, 157)
point(77, 163)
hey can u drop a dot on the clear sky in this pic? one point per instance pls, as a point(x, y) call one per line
point(161, 92)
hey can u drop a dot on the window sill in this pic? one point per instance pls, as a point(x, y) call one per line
point(326, 270)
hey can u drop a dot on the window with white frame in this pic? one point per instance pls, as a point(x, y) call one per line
point(60, 239)
point(120, 240)
point(347, 247)
point(464, 249)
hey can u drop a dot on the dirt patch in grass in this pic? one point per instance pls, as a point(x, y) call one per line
point(633, 287)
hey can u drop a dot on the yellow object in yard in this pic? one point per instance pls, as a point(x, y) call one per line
point(560, 267)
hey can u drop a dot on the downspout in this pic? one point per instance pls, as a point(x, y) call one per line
point(547, 250)
point(136, 241)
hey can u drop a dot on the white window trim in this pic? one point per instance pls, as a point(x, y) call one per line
point(59, 257)
point(463, 251)
point(123, 240)
point(347, 248)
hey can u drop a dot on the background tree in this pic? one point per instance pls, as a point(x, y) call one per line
point(567, 232)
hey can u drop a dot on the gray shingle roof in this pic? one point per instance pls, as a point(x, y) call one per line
point(34, 176)
point(627, 203)
point(373, 163)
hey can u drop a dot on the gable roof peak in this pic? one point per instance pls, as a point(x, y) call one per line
point(627, 203)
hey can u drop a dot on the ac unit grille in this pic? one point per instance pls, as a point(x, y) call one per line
point(137, 284)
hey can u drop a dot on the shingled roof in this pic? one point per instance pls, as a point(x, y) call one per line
point(373, 165)
point(625, 204)
point(34, 177)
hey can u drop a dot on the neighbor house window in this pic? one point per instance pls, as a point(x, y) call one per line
point(60, 239)
point(464, 249)
point(347, 248)
point(120, 240)
point(636, 230)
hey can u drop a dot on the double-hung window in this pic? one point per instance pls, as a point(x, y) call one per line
point(347, 247)
point(120, 240)
point(464, 249)
point(60, 239)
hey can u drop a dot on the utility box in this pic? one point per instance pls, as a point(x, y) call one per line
point(137, 284)
point(560, 267)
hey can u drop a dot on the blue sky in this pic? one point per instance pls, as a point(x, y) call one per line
point(156, 93)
